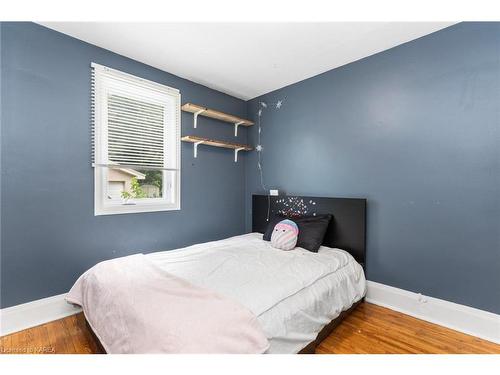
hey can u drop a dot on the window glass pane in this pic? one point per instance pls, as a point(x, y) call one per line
point(127, 184)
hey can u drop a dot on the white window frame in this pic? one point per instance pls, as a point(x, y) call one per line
point(104, 81)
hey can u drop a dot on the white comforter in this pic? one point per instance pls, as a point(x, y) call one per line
point(293, 293)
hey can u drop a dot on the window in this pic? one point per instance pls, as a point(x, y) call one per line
point(136, 143)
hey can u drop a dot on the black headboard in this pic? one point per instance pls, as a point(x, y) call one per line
point(347, 228)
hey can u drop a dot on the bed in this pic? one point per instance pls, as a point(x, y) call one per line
point(297, 297)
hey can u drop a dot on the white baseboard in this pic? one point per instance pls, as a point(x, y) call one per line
point(461, 318)
point(31, 314)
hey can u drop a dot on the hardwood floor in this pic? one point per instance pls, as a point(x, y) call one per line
point(372, 329)
point(65, 336)
point(369, 329)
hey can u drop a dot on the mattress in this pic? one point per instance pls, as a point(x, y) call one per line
point(294, 294)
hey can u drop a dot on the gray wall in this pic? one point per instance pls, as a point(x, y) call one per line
point(50, 233)
point(415, 130)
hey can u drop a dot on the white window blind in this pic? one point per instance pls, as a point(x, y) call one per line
point(139, 121)
point(135, 132)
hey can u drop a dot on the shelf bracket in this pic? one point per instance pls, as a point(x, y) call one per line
point(195, 148)
point(236, 150)
point(236, 127)
point(195, 117)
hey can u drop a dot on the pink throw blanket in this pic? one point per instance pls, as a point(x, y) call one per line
point(135, 307)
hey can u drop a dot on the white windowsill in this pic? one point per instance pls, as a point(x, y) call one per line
point(135, 208)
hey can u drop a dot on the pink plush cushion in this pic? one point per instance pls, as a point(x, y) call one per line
point(285, 234)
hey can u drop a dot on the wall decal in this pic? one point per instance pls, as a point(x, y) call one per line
point(295, 206)
point(263, 105)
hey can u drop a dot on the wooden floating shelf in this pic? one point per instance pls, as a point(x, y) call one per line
point(198, 110)
point(212, 113)
point(215, 143)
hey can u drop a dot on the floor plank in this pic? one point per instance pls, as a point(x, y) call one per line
point(369, 329)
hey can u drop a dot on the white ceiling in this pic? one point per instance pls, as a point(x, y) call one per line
point(246, 59)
